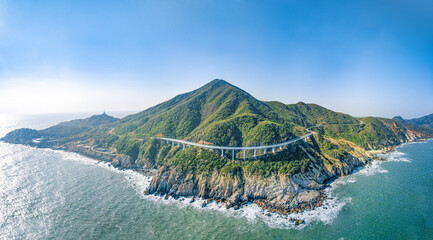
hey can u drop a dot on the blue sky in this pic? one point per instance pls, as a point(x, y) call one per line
point(362, 58)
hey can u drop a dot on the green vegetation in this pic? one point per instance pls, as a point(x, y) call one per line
point(222, 114)
point(195, 160)
point(202, 161)
point(374, 133)
point(79, 126)
point(266, 168)
point(128, 146)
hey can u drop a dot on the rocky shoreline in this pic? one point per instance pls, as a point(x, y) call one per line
point(275, 194)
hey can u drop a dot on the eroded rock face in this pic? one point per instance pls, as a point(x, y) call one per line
point(280, 193)
point(121, 161)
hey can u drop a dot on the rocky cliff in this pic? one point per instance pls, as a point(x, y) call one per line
point(274, 190)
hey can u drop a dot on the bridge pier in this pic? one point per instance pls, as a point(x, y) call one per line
point(255, 150)
point(233, 154)
point(244, 154)
point(273, 150)
point(178, 144)
point(222, 152)
point(281, 148)
point(265, 150)
point(183, 146)
point(172, 144)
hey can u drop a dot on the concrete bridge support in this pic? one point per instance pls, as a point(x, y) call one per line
point(244, 154)
point(233, 154)
point(255, 150)
point(222, 152)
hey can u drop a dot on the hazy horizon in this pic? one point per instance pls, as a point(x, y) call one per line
point(365, 59)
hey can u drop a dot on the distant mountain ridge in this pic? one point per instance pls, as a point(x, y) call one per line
point(424, 121)
point(61, 130)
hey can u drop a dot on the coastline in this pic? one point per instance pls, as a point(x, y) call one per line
point(110, 158)
point(328, 209)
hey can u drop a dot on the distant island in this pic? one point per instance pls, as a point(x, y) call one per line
point(285, 179)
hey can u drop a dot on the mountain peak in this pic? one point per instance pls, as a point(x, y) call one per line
point(301, 104)
point(218, 86)
point(216, 83)
point(398, 119)
point(199, 114)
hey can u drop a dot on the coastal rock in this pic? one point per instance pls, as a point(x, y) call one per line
point(275, 192)
point(299, 221)
point(121, 161)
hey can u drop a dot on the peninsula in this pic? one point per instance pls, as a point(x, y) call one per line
point(221, 144)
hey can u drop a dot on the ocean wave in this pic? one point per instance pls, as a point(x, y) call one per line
point(395, 156)
point(372, 169)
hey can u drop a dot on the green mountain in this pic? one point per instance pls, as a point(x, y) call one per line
point(219, 113)
point(222, 114)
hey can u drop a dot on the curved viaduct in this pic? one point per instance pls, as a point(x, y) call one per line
point(272, 147)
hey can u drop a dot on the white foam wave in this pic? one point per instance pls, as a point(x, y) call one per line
point(372, 169)
point(395, 156)
point(253, 213)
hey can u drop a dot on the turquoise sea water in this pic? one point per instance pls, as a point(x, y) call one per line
point(46, 194)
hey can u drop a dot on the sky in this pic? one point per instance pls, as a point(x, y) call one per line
point(365, 58)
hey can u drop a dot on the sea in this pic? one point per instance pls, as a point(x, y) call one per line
point(51, 194)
